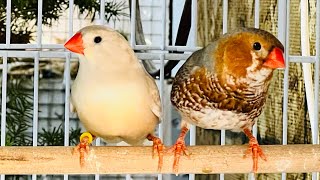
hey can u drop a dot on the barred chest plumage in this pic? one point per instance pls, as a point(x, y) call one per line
point(205, 101)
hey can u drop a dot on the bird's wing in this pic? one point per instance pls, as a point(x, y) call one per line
point(155, 104)
point(197, 60)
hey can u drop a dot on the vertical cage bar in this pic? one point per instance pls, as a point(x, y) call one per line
point(97, 143)
point(163, 43)
point(35, 104)
point(257, 13)
point(316, 75)
point(256, 25)
point(133, 24)
point(194, 11)
point(163, 24)
point(162, 84)
point(67, 103)
point(4, 79)
point(8, 22)
point(67, 100)
point(162, 96)
point(315, 139)
point(225, 16)
point(102, 11)
point(224, 30)
point(283, 36)
point(193, 35)
point(39, 24)
point(67, 84)
point(70, 20)
point(4, 103)
point(306, 67)
point(4, 99)
point(128, 177)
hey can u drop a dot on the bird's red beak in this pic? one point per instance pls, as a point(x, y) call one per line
point(275, 59)
point(75, 44)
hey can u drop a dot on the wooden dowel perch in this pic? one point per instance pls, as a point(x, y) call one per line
point(123, 160)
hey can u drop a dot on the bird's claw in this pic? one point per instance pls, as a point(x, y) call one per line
point(256, 151)
point(83, 146)
point(158, 147)
point(178, 149)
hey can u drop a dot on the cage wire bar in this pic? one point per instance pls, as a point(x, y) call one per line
point(36, 81)
point(66, 80)
point(283, 36)
point(193, 44)
point(4, 80)
point(162, 86)
point(101, 22)
point(37, 52)
point(256, 25)
point(162, 63)
point(224, 30)
point(3, 102)
point(315, 139)
point(307, 73)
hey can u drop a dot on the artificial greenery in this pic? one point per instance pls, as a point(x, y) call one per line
point(19, 116)
point(24, 15)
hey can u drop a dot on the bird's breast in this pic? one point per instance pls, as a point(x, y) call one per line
point(118, 110)
point(213, 118)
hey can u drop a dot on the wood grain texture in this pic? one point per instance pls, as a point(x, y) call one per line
point(138, 160)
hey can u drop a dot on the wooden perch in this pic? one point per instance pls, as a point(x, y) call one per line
point(133, 160)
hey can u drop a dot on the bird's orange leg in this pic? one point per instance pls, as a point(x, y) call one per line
point(158, 147)
point(86, 139)
point(255, 149)
point(178, 148)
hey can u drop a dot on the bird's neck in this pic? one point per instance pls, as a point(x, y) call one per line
point(255, 82)
point(92, 72)
point(109, 62)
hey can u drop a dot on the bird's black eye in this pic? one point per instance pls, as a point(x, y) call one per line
point(256, 46)
point(97, 39)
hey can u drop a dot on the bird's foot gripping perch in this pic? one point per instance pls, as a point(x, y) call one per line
point(179, 147)
point(86, 139)
point(254, 149)
point(158, 147)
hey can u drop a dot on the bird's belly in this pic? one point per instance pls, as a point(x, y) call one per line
point(212, 118)
point(117, 115)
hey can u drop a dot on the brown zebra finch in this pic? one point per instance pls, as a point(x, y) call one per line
point(225, 84)
point(113, 95)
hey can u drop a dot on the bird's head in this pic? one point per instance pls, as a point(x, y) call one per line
point(248, 51)
point(99, 43)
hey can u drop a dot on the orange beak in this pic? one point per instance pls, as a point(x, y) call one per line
point(75, 44)
point(275, 59)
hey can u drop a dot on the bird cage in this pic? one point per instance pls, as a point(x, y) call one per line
point(38, 130)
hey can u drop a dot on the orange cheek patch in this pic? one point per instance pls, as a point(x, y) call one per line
point(237, 58)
